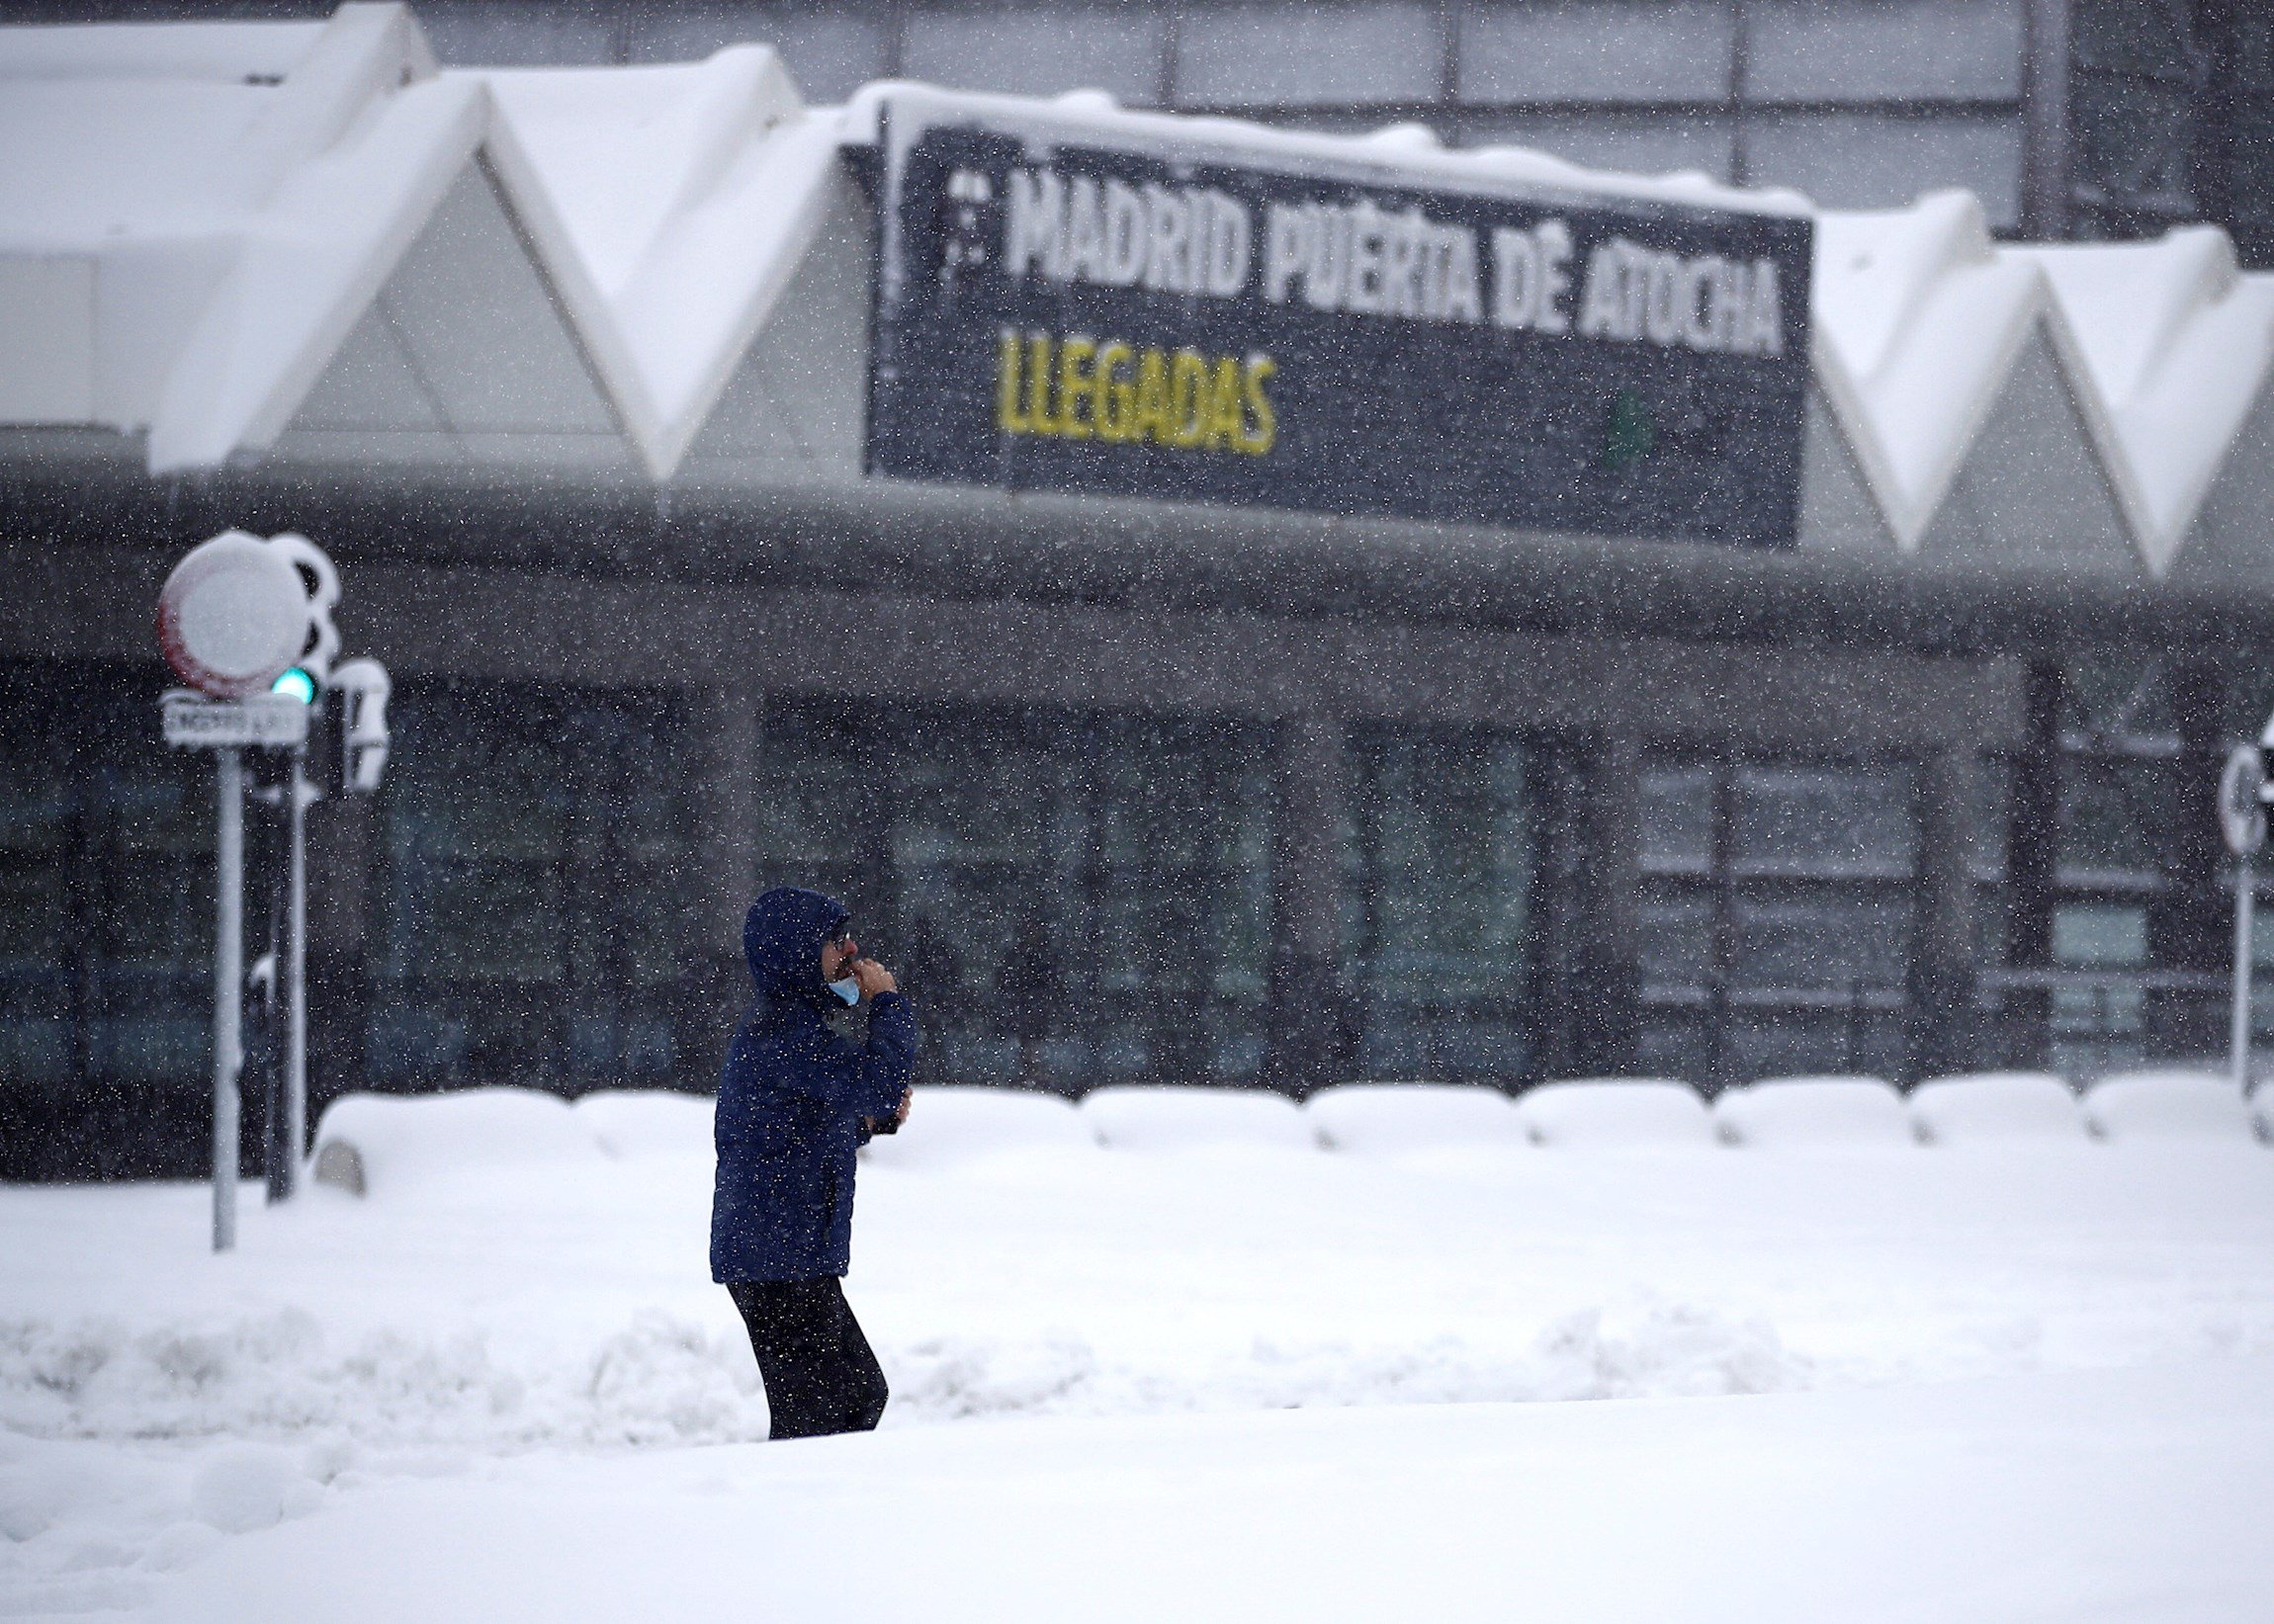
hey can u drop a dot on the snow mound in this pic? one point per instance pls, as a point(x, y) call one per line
point(1615, 1114)
point(1622, 1350)
point(2001, 1107)
point(394, 1137)
point(1780, 1112)
point(1374, 1118)
point(647, 1377)
point(948, 1125)
point(1168, 1118)
point(2166, 1104)
point(630, 1123)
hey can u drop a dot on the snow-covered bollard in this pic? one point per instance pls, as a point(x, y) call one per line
point(1596, 1113)
point(1997, 1108)
point(1180, 1119)
point(633, 1124)
point(1382, 1117)
point(2166, 1104)
point(1814, 1113)
point(389, 1140)
point(949, 1124)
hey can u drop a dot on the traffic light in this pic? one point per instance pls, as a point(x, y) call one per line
point(363, 688)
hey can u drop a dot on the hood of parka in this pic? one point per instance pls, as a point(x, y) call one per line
point(782, 937)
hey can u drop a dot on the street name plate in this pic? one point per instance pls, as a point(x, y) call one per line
point(265, 720)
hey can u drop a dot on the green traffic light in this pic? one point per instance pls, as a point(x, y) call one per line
point(297, 683)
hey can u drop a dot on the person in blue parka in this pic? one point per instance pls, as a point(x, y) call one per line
point(796, 1102)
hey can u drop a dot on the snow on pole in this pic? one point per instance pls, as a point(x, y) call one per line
point(229, 971)
point(2243, 825)
point(2238, 1039)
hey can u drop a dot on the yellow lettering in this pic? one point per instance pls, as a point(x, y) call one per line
point(1007, 418)
point(1117, 398)
point(1189, 398)
point(1039, 417)
point(1152, 420)
point(1078, 388)
point(1076, 384)
point(1259, 439)
point(1223, 405)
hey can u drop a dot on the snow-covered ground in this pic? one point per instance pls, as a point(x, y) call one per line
point(2002, 1380)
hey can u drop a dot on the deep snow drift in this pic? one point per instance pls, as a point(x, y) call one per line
point(514, 1325)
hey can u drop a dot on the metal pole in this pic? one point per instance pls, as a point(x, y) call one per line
point(229, 992)
point(2239, 1036)
point(295, 981)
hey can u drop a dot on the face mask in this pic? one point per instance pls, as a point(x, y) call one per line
point(848, 988)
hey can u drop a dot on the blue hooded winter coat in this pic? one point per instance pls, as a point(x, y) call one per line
point(792, 1099)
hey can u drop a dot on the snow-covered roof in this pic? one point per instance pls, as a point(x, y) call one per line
point(225, 218)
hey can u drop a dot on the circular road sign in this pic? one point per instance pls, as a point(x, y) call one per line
point(233, 615)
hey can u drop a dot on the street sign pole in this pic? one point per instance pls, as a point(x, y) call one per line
point(247, 624)
point(2239, 1036)
point(228, 973)
point(296, 979)
point(2243, 792)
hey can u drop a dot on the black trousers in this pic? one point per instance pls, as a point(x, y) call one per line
point(821, 1375)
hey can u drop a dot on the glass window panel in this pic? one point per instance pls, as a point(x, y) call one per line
point(830, 54)
point(2119, 698)
point(1607, 50)
point(1039, 52)
point(512, 34)
point(2114, 814)
point(531, 919)
point(35, 913)
point(1677, 821)
point(1884, 160)
point(2099, 935)
point(2135, 143)
point(150, 1047)
point(1183, 898)
point(1823, 939)
point(1445, 836)
point(1251, 55)
point(35, 1043)
point(1635, 144)
point(2152, 39)
point(1992, 800)
point(1833, 50)
point(1675, 1042)
point(1796, 1043)
point(1676, 935)
point(1844, 822)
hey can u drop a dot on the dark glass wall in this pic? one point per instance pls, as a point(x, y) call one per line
point(533, 921)
point(2172, 114)
point(105, 928)
point(1073, 900)
point(1777, 916)
point(1439, 920)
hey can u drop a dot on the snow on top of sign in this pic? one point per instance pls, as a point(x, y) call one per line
point(2177, 343)
point(1413, 148)
point(1919, 318)
point(671, 206)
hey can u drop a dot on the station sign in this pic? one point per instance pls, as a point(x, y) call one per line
point(1134, 306)
point(274, 721)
